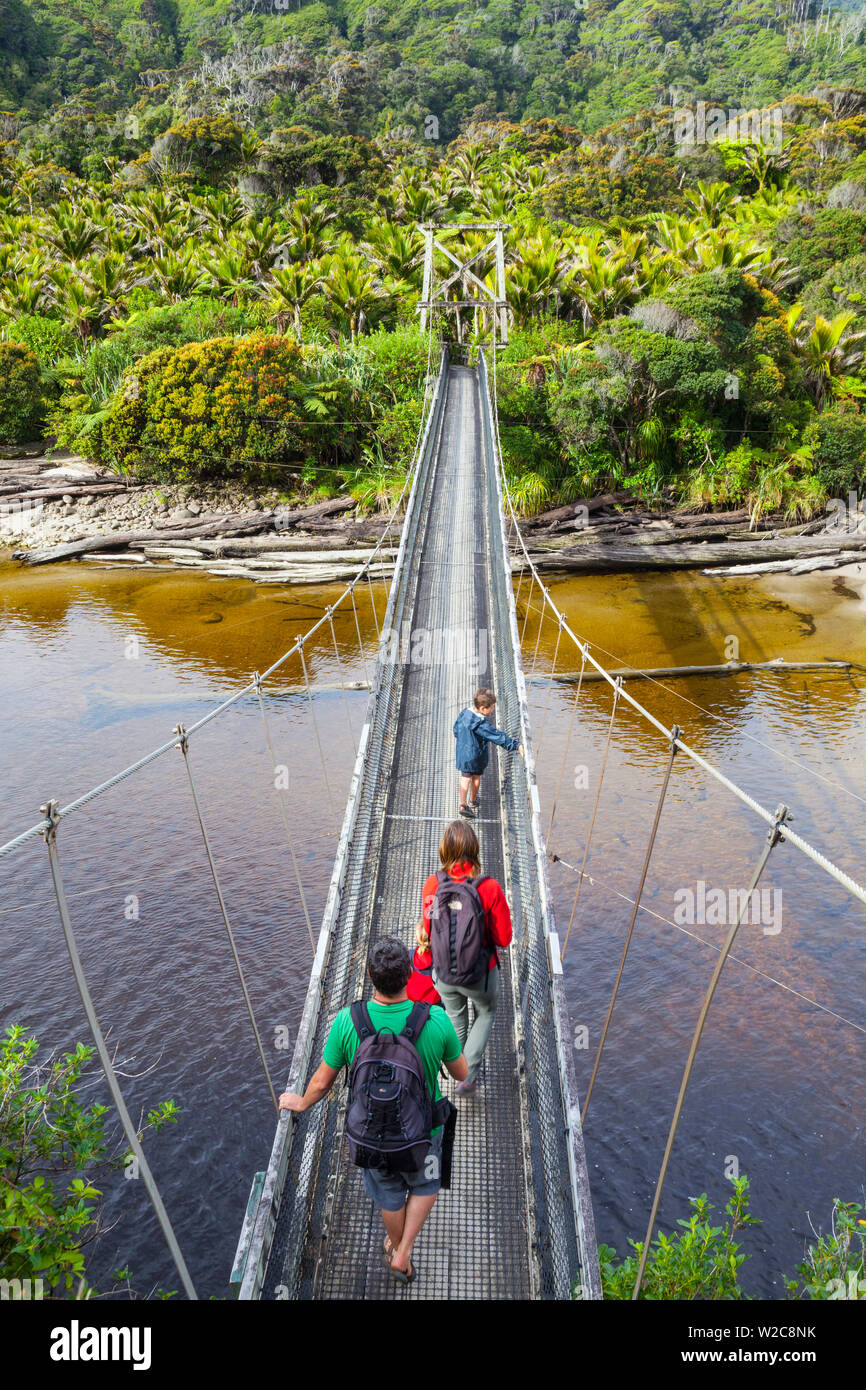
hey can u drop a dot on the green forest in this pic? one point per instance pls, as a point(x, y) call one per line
point(211, 261)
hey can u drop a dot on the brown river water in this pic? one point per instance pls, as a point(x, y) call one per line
point(97, 667)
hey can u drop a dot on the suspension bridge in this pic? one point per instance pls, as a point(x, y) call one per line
point(518, 1221)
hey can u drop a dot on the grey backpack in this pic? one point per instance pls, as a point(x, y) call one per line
point(458, 932)
point(390, 1113)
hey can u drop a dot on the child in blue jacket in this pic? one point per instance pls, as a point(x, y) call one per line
point(474, 732)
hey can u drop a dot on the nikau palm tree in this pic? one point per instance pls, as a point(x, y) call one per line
point(289, 290)
point(828, 351)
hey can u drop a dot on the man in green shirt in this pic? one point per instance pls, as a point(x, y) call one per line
point(405, 1199)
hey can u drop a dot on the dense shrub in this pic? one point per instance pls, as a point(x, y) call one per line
point(700, 1260)
point(598, 184)
point(227, 407)
point(208, 146)
point(833, 234)
point(397, 432)
point(22, 405)
point(838, 441)
point(398, 360)
point(48, 338)
point(188, 321)
point(842, 287)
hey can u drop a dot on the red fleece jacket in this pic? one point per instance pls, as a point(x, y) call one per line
point(496, 908)
point(421, 989)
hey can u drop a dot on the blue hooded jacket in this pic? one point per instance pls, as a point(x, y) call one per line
point(473, 733)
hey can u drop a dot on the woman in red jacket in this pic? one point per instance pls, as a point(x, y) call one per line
point(460, 857)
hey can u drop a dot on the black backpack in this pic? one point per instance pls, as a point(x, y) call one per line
point(390, 1112)
point(458, 932)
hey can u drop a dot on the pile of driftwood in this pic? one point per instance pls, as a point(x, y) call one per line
point(27, 476)
point(320, 543)
point(597, 537)
point(252, 545)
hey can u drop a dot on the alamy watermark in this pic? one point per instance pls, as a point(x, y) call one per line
point(439, 646)
point(17, 517)
point(706, 123)
point(846, 515)
point(17, 1289)
point(724, 906)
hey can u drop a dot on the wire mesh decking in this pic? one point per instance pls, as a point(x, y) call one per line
point(517, 1221)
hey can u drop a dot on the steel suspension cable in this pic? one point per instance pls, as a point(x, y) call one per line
point(184, 748)
point(352, 738)
point(594, 880)
point(285, 817)
point(616, 693)
point(519, 587)
point(549, 686)
point(567, 746)
point(373, 605)
point(772, 839)
point(360, 643)
point(316, 731)
point(50, 811)
point(636, 905)
point(540, 626)
point(528, 608)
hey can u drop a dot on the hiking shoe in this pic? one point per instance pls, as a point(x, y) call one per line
point(466, 812)
point(467, 1088)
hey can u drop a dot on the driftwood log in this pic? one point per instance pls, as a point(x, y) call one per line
point(121, 540)
point(54, 494)
point(779, 667)
point(804, 566)
point(240, 524)
point(593, 558)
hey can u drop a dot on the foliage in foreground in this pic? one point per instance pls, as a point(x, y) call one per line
point(699, 1261)
point(703, 1261)
point(51, 1144)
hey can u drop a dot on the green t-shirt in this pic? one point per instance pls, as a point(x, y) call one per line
point(437, 1043)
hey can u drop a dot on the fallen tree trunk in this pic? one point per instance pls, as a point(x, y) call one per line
point(262, 571)
point(590, 558)
point(365, 529)
point(569, 511)
point(269, 559)
point(733, 518)
point(122, 540)
point(317, 512)
point(805, 566)
point(55, 493)
point(779, 667)
point(272, 543)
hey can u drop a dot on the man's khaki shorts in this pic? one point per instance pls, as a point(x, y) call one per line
point(391, 1191)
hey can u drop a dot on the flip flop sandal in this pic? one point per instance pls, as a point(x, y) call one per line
point(388, 1249)
point(402, 1276)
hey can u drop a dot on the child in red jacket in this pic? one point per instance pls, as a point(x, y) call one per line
point(420, 987)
